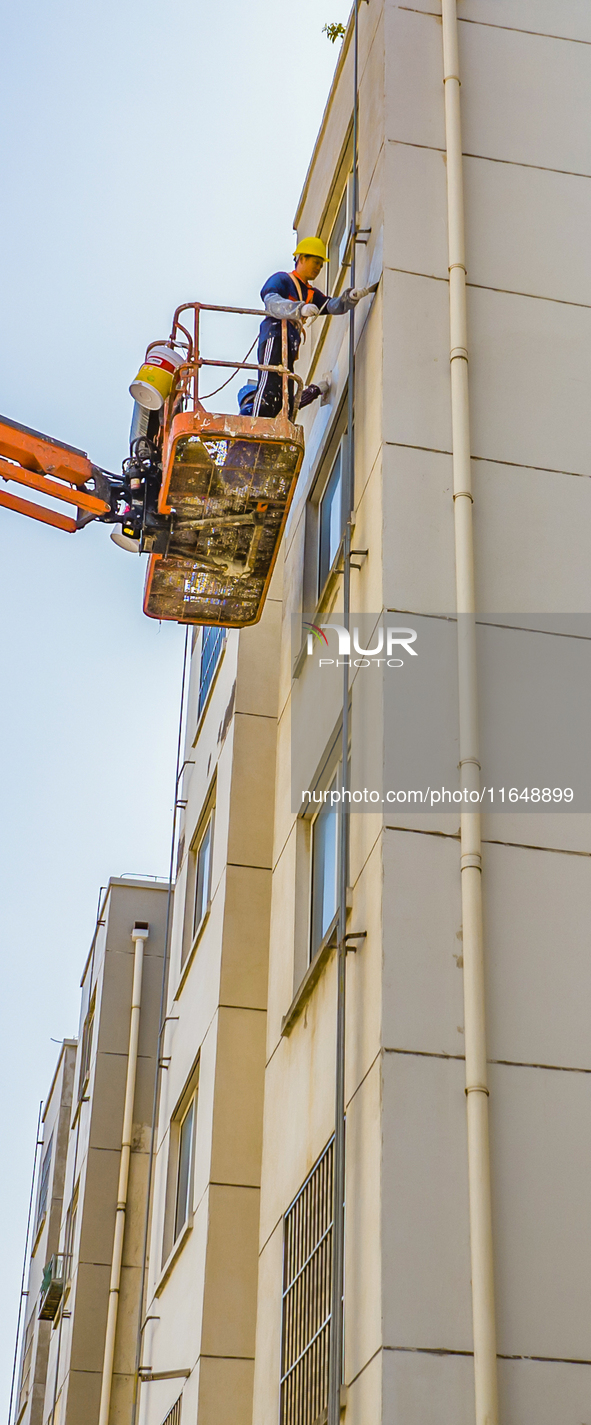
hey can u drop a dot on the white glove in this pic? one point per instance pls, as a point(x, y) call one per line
point(356, 293)
point(310, 311)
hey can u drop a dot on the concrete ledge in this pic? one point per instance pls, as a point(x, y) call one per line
point(311, 977)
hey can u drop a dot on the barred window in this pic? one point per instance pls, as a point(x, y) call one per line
point(174, 1415)
point(211, 651)
point(307, 1270)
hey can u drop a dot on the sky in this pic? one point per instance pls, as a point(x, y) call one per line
point(153, 153)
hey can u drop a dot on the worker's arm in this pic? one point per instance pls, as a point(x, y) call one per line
point(338, 306)
point(281, 307)
point(277, 297)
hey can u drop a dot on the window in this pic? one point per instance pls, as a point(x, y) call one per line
point(184, 1170)
point(71, 1245)
point(44, 1186)
point(199, 877)
point(330, 520)
point(335, 242)
point(338, 242)
point(306, 1303)
point(86, 1049)
point(325, 868)
point(326, 511)
point(181, 1169)
point(212, 645)
point(203, 877)
point(70, 1235)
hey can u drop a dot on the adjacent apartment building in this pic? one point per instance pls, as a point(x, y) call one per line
point(238, 1301)
point(71, 1278)
point(54, 1143)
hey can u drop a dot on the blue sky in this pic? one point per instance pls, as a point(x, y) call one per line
point(152, 153)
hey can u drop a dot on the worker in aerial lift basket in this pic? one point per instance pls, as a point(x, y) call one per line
point(292, 295)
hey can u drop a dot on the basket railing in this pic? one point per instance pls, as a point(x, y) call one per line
point(185, 394)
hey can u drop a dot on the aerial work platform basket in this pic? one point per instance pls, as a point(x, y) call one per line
point(227, 485)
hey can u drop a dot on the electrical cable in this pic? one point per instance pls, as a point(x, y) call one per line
point(209, 394)
point(162, 1027)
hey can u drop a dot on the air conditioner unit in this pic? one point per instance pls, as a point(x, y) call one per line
point(52, 1287)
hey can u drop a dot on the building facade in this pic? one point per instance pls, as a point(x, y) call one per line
point(199, 1338)
point(524, 69)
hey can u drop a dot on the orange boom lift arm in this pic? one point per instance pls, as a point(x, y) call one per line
point(41, 463)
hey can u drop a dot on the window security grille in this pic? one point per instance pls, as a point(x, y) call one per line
point(307, 1267)
point(211, 649)
point(174, 1415)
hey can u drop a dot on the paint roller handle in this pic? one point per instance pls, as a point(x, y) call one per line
point(357, 293)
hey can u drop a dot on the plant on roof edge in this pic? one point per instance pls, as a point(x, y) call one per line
point(334, 32)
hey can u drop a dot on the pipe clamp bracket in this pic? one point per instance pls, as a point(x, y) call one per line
point(458, 353)
point(476, 1088)
point(464, 494)
point(471, 861)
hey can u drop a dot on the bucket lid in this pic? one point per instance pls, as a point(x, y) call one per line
point(146, 395)
point(124, 541)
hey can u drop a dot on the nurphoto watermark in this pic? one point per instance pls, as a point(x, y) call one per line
point(407, 753)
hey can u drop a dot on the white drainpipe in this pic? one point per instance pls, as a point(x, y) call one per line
point(481, 1242)
point(139, 935)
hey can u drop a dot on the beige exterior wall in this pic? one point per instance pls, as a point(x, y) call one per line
point(525, 73)
point(203, 1275)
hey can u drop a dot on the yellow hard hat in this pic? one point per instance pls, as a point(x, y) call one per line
point(311, 247)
